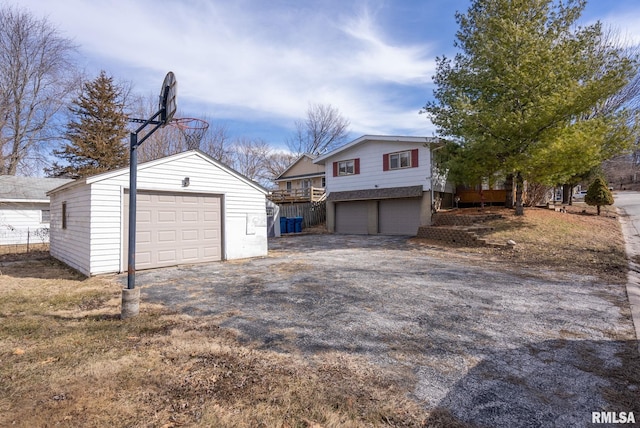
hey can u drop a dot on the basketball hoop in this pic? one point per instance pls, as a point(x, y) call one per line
point(192, 130)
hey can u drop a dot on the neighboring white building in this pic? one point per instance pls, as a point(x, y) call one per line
point(190, 209)
point(24, 208)
point(382, 184)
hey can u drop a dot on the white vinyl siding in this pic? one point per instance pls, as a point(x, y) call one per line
point(72, 245)
point(20, 220)
point(371, 169)
point(243, 203)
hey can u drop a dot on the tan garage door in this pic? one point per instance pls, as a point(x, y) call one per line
point(174, 228)
point(351, 217)
point(399, 216)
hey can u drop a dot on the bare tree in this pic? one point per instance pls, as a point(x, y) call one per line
point(37, 75)
point(170, 140)
point(215, 143)
point(323, 130)
point(250, 159)
point(277, 162)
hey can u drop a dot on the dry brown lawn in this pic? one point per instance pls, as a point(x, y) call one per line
point(576, 241)
point(66, 359)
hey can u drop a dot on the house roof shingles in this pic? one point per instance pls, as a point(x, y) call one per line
point(14, 188)
point(367, 194)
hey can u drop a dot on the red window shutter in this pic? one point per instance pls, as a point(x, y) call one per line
point(356, 166)
point(414, 158)
point(335, 169)
point(385, 162)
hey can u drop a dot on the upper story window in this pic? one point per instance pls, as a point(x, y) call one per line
point(346, 167)
point(45, 216)
point(400, 160)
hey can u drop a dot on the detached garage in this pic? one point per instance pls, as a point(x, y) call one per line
point(190, 209)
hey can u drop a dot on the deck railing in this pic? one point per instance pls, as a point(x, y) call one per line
point(309, 194)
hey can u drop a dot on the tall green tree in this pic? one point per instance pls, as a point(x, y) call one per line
point(96, 133)
point(519, 94)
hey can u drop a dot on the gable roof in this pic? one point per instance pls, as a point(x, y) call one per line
point(302, 156)
point(386, 138)
point(150, 164)
point(28, 189)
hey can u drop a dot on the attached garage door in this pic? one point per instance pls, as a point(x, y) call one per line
point(399, 216)
point(174, 228)
point(351, 217)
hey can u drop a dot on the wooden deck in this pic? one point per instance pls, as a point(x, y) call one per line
point(310, 194)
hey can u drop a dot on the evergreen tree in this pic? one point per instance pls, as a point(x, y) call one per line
point(518, 96)
point(598, 194)
point(96, 133)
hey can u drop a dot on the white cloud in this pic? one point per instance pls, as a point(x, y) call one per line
point(378, 59)
point(626, 24)
point(251, 57)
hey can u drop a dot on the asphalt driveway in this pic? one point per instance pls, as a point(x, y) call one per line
point(497, 347)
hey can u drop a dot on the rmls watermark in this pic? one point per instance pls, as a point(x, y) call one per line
point(613, 418)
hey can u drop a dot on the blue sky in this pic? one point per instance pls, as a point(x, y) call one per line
point(255, 65)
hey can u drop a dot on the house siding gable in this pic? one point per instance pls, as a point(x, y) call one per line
point(303, 166)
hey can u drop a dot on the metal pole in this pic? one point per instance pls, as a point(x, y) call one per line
point(133, 177)
point(131, 295)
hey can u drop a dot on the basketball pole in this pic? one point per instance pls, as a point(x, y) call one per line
point(131, 295)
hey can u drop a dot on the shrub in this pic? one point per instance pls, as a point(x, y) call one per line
point(598, 194)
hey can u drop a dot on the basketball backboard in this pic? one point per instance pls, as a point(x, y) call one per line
point(168, 93)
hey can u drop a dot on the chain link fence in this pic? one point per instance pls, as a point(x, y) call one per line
point(20, 240)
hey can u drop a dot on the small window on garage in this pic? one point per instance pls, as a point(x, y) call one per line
point(64, 215)
point(45, 216)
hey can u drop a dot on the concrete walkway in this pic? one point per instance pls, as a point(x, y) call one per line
point(628, 204)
